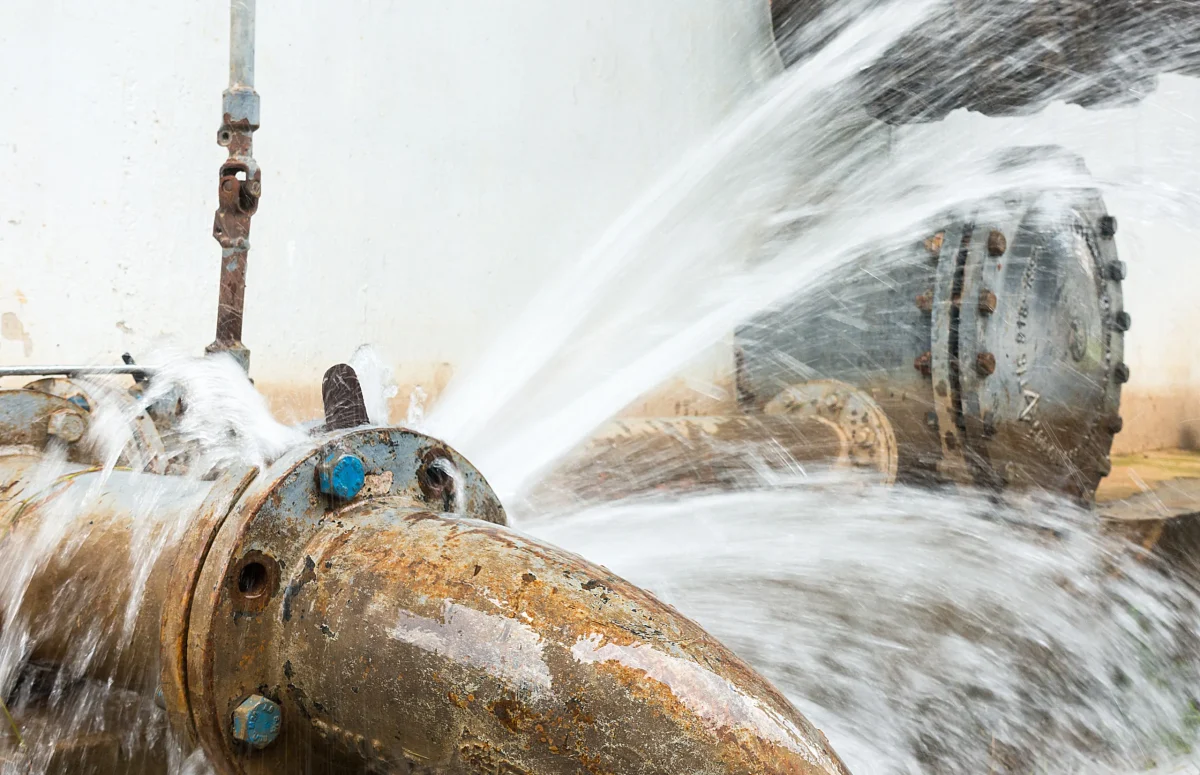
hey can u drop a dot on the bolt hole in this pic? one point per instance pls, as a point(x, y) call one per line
point(438, 478)
point(252, 581)
point(225, 137)
point(438, 474)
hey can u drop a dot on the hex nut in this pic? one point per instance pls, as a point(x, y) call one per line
point(1115, 424)
point(1108, 226)
point(68, 426)
point(1121, 373)
point(1122, 321)
point(256, 721)
point(997, 243)
point(1116, 271)
point(987, 302)
point(342, 475)
point(985, 364)
point(924, 363)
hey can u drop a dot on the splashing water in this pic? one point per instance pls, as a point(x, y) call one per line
point(797, 180)
point(926, 633)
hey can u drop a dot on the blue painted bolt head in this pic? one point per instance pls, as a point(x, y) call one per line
point(341, 475)
point(256, 721)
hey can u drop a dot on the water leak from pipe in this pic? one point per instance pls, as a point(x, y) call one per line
point(926, 632)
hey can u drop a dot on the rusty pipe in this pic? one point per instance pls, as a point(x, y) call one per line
point(402, 628)
point(84, 557)
point(819, 423)
point(400, 638)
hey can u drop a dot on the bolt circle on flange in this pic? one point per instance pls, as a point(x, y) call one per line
point(280, 515)
point(256, 721)
point(341, 476)
point(868, 439)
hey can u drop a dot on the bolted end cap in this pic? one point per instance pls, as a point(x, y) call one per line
point(256, 721)
point(341, 475)
point(67, 426)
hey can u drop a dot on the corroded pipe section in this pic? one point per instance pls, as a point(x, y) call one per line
point(83, 561)
point(404, 639)
point(397, 627)
point(822, 423)
point(399, 632)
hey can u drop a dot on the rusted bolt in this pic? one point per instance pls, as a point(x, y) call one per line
point(227, 185)
point(1121, 373)
point(987, 302)
point(1122, 321)
point(925, 301)
point(254, 187)
point(67, 426)
point(1115, 424)
point(256, 721)
point(924, 363)
point(934, 244)
point(985, 364)
point(341, 476)
point(1108, 226)
point(997, 243)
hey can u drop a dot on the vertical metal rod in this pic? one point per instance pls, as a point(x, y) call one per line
point(241, 43)
point(240, 181)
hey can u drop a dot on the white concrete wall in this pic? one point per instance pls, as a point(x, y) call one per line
point(1147, 160)
point(424, 163)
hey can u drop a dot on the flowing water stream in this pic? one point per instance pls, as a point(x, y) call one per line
point(925, 632)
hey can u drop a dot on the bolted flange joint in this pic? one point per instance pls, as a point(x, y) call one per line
point(256, 721)
point(341, 476)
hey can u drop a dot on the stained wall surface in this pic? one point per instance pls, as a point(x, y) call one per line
point(426, 164)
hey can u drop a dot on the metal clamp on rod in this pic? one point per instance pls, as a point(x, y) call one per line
point(240, 182)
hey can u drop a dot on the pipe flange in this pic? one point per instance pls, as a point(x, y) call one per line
point(255, 573)
point(148, 452)
point(868, 441)
point(35, 420)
